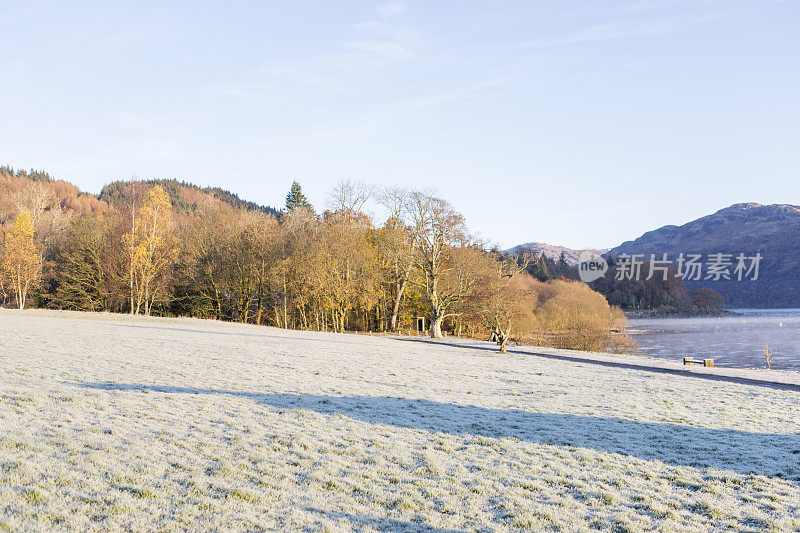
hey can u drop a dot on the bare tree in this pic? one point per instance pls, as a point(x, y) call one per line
point(34, 198)
point(502, 302)
point(396, 247)
point(348, 198)
point(440, 232)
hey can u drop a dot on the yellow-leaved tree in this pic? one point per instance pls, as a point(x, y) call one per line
point(152, 250)
point(21, 264)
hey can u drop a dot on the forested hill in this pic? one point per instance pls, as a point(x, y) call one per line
point(51, 194)
point(184, 196)
point(551, 251)
point(749, 228)
point(49, 200)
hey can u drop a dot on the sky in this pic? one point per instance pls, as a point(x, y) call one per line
point(575, 123)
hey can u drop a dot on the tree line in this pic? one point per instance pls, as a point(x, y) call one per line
point(172, 249)
point(643, 296)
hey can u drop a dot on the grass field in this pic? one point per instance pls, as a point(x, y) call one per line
point(114, 422)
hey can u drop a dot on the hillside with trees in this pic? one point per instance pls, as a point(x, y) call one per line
point(185, 197)
point(643, 296)
point(164, 247)
point(659, 295)
point(771, 231)
point(552, 251)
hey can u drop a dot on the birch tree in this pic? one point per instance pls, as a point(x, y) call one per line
point(21, 262)
point(152, 250)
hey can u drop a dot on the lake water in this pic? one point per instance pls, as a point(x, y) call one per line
point(735, 341)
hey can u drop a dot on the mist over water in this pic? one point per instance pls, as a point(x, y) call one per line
point(733, 341)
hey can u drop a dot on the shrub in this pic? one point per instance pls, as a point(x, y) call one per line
point(571, 315)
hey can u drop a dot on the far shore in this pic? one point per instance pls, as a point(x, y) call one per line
point(668, 313)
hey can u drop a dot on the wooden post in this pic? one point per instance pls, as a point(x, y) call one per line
point(708, 362)
point(687, 361)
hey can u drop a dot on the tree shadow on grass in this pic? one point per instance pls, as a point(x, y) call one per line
point(381, 523)
point(266, 335)
point(769, 454)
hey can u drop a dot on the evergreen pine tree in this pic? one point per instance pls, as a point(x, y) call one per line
point(562, 263)
point(296, 198)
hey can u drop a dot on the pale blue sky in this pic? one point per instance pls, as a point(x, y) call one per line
point(574, 123)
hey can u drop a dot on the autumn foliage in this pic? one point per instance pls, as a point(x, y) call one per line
point(167, 248)
point(21, 263)
point(152, 250)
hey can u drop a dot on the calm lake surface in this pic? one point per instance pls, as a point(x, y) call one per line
point(735, 341)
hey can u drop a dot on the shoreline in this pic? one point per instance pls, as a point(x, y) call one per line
point(632, 361)
point(774, 378)
point(139, 409)
point(639, 314)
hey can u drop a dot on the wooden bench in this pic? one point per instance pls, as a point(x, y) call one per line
point(692, 361)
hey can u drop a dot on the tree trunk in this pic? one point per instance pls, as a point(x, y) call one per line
point(147, 298)
point(22, 292)
point(503, 345)
point(133, 247)
point(260, 301)
point(285, 312)
point(437, 313)
point(401, 287)
point(504, 336)
point(437, 318)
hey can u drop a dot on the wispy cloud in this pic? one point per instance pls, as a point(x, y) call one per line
point(377, 41)
point(384, 48)
point(649, 5)
point(390, 9)
point(384, 35)
point(627, 29)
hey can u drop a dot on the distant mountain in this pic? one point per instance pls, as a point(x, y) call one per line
point(552, 251)
point(749, 228)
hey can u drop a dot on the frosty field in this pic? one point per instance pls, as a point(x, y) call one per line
point(115, 422)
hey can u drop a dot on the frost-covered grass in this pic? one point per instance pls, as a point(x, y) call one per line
point(110, 422)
